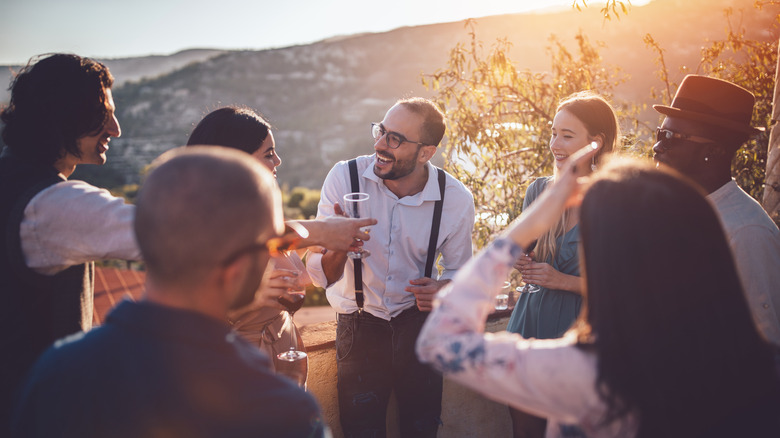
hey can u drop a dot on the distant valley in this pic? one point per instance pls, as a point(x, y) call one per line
point(321, 97)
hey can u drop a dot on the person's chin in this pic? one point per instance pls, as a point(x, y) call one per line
point(380, 171)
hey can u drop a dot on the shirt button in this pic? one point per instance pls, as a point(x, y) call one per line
point(387, 300)
point(766, 306)
point(389, 277)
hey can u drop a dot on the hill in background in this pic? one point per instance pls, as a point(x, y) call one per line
point(321, 97)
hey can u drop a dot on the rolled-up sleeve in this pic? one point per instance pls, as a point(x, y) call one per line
point(74, 222)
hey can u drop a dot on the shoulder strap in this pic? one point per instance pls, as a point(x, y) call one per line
point(358, 264)
point(435, 225)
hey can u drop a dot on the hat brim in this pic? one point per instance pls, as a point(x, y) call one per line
point(706, 118)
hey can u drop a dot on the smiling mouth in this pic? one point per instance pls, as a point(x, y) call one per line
point(560, 157)
point(383, 160)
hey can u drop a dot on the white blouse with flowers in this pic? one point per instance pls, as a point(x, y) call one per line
point(551, 378)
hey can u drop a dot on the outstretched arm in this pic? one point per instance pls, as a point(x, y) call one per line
point(336, 233)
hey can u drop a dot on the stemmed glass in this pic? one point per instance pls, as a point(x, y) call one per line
point(292, 303)
point(529, 288)
point(356, 206)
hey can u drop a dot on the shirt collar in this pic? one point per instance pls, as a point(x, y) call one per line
point(429, 193)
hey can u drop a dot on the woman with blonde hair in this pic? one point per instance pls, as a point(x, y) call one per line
point(551, 270)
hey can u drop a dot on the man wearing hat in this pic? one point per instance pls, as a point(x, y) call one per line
point(708, 121)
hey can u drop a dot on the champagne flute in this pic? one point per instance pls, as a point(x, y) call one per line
point(356, 206)
point(529, 288)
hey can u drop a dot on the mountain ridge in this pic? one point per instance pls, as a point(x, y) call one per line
point(321, 97)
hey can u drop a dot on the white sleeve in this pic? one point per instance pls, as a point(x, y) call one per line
point(73, 222)
point(550, 378)
point(756, 252)
point(456, 250)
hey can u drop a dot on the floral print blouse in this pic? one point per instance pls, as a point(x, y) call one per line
point(552, 378)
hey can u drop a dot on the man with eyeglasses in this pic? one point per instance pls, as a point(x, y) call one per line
point(707, 123)
point(376, 335)
point(169, 364)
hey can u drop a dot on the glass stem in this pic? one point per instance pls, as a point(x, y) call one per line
point(293, 332)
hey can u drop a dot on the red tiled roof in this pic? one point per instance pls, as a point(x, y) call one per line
point(112, 285)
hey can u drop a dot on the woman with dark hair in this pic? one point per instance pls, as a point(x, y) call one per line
point(665, 345)
point(551, 270)
point(238, 128)
point(263, 322)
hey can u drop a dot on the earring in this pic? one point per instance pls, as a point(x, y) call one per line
point(593, 164)
point(706, 159)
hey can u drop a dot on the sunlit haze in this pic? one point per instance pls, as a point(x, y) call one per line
point(113, 29)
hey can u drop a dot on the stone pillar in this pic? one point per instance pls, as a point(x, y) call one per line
point(771, 199)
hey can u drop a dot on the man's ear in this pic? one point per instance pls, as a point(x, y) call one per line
point(231, 277)
point(718, 150)
point(426, 153)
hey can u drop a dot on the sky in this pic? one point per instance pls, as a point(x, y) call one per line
point(117, 29)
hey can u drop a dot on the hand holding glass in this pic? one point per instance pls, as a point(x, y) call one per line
point(529, 288)
point(356, 206)
point(292, 303)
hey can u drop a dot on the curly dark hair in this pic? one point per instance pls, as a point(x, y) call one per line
point(54, 102)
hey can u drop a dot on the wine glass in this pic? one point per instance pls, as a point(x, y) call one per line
point(529, 288)
point(292, 302)
point(356, 206)
point(502, 299)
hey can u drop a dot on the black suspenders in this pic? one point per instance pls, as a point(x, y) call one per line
point(437, 207)
point(358, 263)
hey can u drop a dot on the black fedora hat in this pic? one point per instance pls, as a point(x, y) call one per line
point(714, 102)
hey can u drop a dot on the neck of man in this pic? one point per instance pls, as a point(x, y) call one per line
point(187, 298)
point(715, 177)
point(409, 185)
point(65, 166)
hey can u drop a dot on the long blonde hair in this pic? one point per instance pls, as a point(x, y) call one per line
point(599, 119)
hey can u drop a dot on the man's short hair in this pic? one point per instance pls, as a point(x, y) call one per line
point(54, 102)
point(433, 118)
point(199, 205)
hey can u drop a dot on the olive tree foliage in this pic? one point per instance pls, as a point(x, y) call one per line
point(745, 62)
point(610, 8)
point(499, 118)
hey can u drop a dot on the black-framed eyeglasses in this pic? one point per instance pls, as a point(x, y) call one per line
point(393, 139)
point(665, 135)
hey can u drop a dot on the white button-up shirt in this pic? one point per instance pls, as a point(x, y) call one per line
point(399, 241)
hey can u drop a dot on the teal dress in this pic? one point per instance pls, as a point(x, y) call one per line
point(549, 313)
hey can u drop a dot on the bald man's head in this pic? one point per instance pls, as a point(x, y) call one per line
point(200, 205)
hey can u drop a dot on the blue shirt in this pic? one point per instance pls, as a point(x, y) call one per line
point(157, 371)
